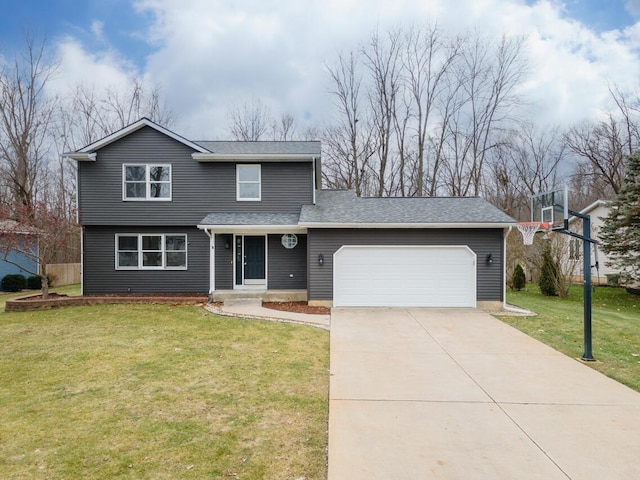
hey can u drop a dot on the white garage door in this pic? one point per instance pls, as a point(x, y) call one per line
point(404, 276)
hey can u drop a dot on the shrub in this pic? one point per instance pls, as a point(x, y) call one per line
point(14, 282)
point(549, 274)
point(518, 279)
point(34, 282)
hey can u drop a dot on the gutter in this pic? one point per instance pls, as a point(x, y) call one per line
point(265, 157)
point(402, 225)
point(252, 228)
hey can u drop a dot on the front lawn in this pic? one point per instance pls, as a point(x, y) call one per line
point(615, 327)
point(160, 392)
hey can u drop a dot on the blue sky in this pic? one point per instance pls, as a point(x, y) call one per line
point(207, 55)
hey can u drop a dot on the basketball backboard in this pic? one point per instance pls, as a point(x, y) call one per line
point(551, 207)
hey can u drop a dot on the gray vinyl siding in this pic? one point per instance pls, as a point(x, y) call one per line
point(198, 188)
point(101, 277)
point(482, 241)
point(287, 269)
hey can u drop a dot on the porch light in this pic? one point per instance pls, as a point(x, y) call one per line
point(489, 259)
point(320, 259)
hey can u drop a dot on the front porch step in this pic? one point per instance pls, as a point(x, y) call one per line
point(259, 296)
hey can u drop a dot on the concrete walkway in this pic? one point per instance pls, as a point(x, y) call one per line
point(253, 308)
point(457, 394)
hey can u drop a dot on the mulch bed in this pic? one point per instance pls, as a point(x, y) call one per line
point(297, 307)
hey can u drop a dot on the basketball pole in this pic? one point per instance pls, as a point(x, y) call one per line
point(587, 356)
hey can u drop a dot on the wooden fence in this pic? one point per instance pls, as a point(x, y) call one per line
point(63, 273)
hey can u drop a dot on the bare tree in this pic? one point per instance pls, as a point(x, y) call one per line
point(26, 115)
point(383, 61)
point(428, 61)
point(284, 128)
point(250, 121)
point(525, 163)
point(350, 143)
point(489, 75)
point(36, 219)
point(605, 145)
point(91, 114)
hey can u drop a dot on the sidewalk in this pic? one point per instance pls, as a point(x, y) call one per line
point(457, 394)
point(253, 309)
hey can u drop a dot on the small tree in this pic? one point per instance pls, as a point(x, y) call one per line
point(518, 280)
point(37, 233)
point(549, 273)
point(620, 233)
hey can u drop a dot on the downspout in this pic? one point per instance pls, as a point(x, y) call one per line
point(313, 168)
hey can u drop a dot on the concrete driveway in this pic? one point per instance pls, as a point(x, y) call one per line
point(457, 394)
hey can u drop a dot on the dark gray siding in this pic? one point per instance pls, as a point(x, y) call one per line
point(287, 269)
point(481, 241)
point(198, 188)
point(224, 262)
point(100, 274)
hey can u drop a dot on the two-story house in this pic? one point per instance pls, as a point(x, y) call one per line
point(163, 214)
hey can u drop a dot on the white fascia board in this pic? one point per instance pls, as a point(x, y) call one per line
point(264, 157)
point(405, 225)
point(143, 122)
point(81, 157)
point(257, 229)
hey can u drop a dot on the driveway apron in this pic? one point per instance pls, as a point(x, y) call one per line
point(456, 394)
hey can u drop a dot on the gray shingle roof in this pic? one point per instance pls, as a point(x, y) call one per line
point(343, 207)
point(284, 219)
point(261, 148)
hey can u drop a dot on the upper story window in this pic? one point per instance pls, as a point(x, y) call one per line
point(248, 182)
point(146, 182)
point(151, 252)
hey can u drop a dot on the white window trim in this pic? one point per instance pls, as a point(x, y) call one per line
point(259, 182)
point(163, 247)
point(148, 197)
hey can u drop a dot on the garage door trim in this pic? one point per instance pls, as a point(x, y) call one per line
point(459, 290)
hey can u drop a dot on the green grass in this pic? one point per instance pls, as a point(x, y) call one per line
point(160, 392)
point(559, 324)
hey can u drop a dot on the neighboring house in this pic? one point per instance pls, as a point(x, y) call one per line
point(160, 213)
point(18, 262)
point(598, 211)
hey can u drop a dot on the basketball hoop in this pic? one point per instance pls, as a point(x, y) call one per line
point(529, 229)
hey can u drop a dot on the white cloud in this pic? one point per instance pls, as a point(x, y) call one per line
point(209, 54)
point(633, 7)
point(97, 28)
point(106, 69)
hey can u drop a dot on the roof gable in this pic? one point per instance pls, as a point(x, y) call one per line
point(88, 152)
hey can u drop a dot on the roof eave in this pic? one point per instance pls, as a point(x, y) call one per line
point(263, 157)
point(405, 225)
point(253, 228)
point(81, 157)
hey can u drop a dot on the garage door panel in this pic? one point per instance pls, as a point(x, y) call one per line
point(426, 276)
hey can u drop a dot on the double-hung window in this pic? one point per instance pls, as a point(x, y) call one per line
point(248, 183)
point(151, 252)
point(146, 181)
